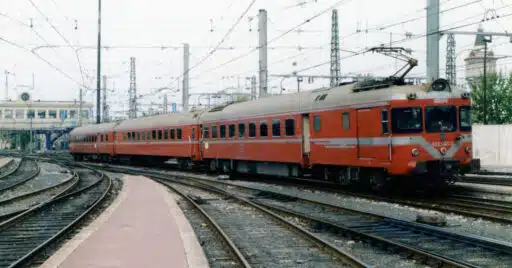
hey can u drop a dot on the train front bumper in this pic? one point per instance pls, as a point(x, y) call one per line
point(437, 167)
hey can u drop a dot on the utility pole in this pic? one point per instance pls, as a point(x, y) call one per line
point(186, 62)
point(254, 92)
point(335, 50)
point(6, 85)
point(485, 77)
point(81, 106)
point(165, 104)
point(433, 36)
point(451, 65)
point(263, 68)
point(105, 107)
point(133, 90)
point(98, 84)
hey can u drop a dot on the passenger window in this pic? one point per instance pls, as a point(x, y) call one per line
point(129, 135)
point(232, 130)
point(241, 130)
point(154, 135)
point(276, 128)
point(263, 129)
point(223, 131)
point(252, 130)
point(384, 121)
point(166, 134)
point(138, 136)
point(160, 136)
point(173, 136)
point(317, 123)
point(178, 133)
point(289, 127)
point(206, 133)
point(345, 118)
point(214, 132)
point(193, 134)
point(142, 135)
point(148, 135)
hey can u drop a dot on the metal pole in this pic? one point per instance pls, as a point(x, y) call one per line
point(186, 62)
point(80, 108)
point(98, 84)
point(6, 85)
point(485, 82)
point(433, 36)
point(263, 68)
point(105, 119)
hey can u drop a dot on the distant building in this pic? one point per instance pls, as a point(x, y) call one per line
point(475, 59)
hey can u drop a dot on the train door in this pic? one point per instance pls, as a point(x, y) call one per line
point(306, 145)
point(372, 139)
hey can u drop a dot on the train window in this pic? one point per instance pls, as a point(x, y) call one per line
point(317, 123)
point(263, 129)
point(142, 136)
point(276, 128)
point(289, 127)
point(178, 133)
point(384, 117)
point(138, 136)
point(193, 134)
point(129, 135)
point(173, 136)
point(241, 130)
point(465, 118)
point(223, 131)
point(214, 132)
point(106, 137)
point(148, 136)
point(406, 120)
point(153, 136)
point(160, 135)
point(252, 130)
point(345, 120)
point(232, 130)
point(206, 133)
point(166, 134)
point(133, 136)
point(101, 139)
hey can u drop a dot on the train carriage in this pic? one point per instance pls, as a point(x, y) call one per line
point(92, 140)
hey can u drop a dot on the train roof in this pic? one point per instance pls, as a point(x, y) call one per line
point(159, 121)
point(93, 129)
point(322, 99)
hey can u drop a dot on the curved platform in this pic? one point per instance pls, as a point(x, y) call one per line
point(144, 227)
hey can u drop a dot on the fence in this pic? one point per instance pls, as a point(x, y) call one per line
point(492, 144)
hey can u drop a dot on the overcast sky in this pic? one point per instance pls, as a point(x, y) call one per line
point(137, 28)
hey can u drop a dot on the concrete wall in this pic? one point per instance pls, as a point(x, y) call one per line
point(492, 144)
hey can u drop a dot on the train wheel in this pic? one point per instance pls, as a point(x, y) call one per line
point(377, 180)
point(213, 166)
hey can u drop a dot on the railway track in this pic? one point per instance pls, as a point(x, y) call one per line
point(435, 245)
point(9, 168)
point(257, 236)
point(26, 170)
point(25, 235)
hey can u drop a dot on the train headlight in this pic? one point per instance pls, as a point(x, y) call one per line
point(468, 149)
point(415, 152)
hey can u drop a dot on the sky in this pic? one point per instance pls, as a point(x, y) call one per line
point(54, 40)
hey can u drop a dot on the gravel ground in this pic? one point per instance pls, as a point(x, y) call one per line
point(261, 239)
point(455, 222)
point(485, 191)
point(50, 174)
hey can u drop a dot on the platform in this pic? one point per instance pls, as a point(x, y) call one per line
point(143, 227)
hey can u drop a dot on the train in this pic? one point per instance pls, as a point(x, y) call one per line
point(355, 133)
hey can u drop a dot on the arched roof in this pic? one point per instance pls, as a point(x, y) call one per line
point(158, 121)
point(314, 100)
point(93, 129)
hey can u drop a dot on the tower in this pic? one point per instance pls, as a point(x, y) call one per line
point(451, 65)
point(133, 91)
point(335, 50)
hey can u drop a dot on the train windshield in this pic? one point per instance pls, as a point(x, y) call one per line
point(465, 118)
point(441, 119)
point(406, 120)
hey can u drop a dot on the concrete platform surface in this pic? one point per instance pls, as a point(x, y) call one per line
point(144, 227)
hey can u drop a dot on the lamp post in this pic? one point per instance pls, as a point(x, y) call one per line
point(486, 39)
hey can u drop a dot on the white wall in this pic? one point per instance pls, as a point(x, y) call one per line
point(492, 144)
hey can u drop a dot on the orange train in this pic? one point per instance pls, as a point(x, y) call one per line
point(351, 133)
